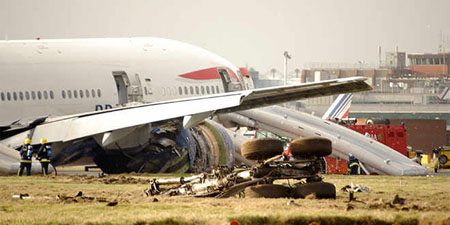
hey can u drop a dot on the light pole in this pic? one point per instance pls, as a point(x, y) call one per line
point(286, 57)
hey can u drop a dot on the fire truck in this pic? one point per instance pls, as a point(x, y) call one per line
point(393, 136)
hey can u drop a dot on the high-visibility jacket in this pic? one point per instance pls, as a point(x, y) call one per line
point(45, 152)
point(353, 166)
point(26, 152)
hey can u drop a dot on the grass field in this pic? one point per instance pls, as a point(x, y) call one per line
point(427, 202)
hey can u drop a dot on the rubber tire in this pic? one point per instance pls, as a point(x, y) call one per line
point(319, 189)
point(443, 159)
point(261, 149)
point(310, 146)
point(266, 191)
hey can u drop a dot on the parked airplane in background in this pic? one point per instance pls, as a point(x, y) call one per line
point(340, 108)
point(130, 104)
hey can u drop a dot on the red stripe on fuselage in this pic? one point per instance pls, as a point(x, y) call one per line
point(208, 74)
point(232, 74)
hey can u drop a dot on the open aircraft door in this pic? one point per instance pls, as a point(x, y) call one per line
point(229, 83)
point(127, 91)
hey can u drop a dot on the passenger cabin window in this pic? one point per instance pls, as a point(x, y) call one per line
point(180, 91)
point(8, 96)
point(21, 96)
point(87, 93)
point(2, 96)
point(63, 94)
point(99, 93)
point(33, 95)
point(52, 95)
point(15, 96)
point(207, 89)
point(27, 95)
point(93, 93)
point(69, 94)
point(39, 94)
point(203, 90)
point(45, 95)
point(196, 90)
point(191, 89)
point(75, 94)
point(213, 90)
point(185, 90)
point(217, 89)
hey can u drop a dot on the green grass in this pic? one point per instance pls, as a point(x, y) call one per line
point(427, 202)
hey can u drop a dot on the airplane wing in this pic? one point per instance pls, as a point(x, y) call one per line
point(193, 110)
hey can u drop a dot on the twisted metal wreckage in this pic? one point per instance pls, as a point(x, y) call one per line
point(258, 180)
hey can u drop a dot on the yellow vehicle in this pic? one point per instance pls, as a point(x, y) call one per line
point(444, 155)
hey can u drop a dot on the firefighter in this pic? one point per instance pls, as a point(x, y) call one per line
point(26, 152)
point(44, 154)
point(353, 165)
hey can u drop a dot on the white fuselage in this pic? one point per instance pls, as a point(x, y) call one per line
point(61, 77)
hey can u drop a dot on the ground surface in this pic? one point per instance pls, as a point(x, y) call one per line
point(427, 201)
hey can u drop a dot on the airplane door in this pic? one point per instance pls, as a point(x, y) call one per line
point(226, 80)
point(122, 83)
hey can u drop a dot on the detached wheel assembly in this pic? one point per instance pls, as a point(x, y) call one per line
point(312, 146)
point(267, 191)
point(261, 149)
point(319, 189)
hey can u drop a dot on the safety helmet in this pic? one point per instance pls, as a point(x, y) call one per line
point(27, 141)
point(43, 141)
point(351, 156)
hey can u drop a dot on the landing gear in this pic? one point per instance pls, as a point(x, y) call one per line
point(267, 191)
point(258, 181)
point(261, 149)
point(319, 189)
point(314, 146)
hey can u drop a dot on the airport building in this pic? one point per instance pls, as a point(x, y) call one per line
point(418, 92)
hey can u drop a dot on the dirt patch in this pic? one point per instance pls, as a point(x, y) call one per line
point(80, 198)
point(121, 179)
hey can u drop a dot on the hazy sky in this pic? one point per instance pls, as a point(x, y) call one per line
point(245, 32)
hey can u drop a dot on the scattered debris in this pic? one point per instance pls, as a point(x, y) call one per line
point(350, 207)
point(355, 188)
point(79, 198)
point(292, 202)
point(114, 203)
point(398, 200)
point(22, 196)
point(352, 189)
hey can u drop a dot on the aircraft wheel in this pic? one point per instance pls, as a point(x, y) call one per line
point(305, 147)
point(261, 149)
point(319, 189)
point(266, 191)
point(443, 159)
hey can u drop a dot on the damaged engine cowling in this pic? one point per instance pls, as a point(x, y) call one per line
point(155, 149)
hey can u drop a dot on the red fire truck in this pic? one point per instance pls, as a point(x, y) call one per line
point(393, 136)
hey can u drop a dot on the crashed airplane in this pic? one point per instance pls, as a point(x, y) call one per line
point(130, 104)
